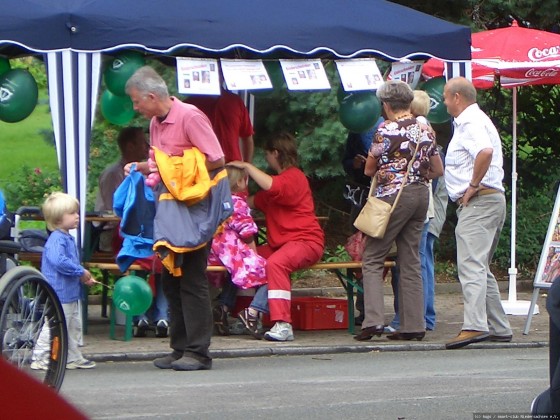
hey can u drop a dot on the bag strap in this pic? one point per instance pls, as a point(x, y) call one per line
point(374, 181)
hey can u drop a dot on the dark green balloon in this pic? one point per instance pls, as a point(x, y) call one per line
point(275, 74)
point(341, 94)
point(120, 69)
point(4, 65)
point(117, 110)
point(438, 111)
point(18, 95)
point(132, 295)
point(359, 111)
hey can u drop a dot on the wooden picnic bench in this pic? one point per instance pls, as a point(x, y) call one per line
point(345, 272)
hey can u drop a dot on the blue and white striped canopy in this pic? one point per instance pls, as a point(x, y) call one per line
point(73, 35)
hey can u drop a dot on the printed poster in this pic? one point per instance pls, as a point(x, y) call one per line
point(359, 74)
point(305, 75)
point(245, 74)
point(198, 76)
point(409, 72)
point(548, 269)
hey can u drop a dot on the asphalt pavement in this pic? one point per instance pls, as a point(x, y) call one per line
point(99, 346)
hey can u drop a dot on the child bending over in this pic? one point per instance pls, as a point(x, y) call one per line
point(234, 247)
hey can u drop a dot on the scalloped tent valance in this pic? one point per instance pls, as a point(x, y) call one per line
point(73, 35)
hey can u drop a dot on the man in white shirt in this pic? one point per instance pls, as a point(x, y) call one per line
point(473, 177)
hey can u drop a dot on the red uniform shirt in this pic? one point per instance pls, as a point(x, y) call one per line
point(230, 120)
point(289, 210)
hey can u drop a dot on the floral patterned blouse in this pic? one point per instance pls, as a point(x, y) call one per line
point(394, 144)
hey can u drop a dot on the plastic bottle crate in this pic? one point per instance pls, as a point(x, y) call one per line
point(319, 313)
point(308, 313)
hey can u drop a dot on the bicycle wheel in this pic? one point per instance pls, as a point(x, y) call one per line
point(30, 308)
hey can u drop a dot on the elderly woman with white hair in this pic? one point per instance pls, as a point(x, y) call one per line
point(398, 141)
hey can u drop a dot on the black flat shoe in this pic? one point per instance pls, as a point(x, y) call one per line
point(368, 332)
point(407, 336)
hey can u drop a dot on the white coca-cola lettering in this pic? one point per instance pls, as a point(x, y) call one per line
point(536, 54)
point(541, 73)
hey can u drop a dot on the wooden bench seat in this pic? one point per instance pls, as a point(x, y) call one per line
point(345, 271)
point(34, 258)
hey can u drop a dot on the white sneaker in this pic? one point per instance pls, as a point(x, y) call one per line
point(281, 331)
point(80, 364)
point(39, 365)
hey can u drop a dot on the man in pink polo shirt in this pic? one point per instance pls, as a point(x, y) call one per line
point(174, 128)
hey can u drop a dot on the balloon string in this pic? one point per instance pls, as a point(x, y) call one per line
point(103, 284)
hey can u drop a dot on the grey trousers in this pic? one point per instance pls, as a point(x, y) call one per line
point(477, 235)
point(405, 228)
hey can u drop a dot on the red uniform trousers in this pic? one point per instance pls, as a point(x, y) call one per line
point(280, 263)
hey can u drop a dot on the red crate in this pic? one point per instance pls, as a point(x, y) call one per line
point(319, 313)
point(308, 313)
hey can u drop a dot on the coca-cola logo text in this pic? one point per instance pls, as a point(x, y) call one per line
point(541, 73)
point(536, 54)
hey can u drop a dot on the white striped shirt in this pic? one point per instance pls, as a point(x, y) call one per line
point(473, 131)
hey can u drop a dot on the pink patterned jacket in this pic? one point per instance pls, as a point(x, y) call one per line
point(246, 267)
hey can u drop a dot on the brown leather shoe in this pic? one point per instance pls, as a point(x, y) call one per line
point(465, 338)
point(368, 332)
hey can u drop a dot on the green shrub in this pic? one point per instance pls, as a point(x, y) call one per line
point(33, 187)
point(533, 217)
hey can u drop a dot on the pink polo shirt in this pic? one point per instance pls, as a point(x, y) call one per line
point(184, 127)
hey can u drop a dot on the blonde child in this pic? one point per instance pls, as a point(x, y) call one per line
point(61, 267)
point(235, 248)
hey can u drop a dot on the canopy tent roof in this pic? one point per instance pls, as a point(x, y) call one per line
point(73, 35)
point(233, 29)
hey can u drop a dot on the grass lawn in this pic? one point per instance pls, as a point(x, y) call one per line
point(21, 143)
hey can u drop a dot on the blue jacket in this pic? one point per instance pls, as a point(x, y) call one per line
point(135, 204)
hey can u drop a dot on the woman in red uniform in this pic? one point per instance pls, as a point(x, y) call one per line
point(295, 239)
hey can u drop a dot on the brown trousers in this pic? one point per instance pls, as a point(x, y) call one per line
point(405, 228)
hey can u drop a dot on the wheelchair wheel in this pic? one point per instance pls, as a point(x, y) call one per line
point(30, 308)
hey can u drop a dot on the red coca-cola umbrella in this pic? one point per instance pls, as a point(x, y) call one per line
point(514, 56)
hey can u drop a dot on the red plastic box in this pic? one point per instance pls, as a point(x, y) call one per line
point(308, 313)
point(319, 313)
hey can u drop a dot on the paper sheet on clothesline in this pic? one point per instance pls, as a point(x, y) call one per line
point(305, 75)
point(245, 74)
point(409, 72)
point(199, 76)
point(359, 74)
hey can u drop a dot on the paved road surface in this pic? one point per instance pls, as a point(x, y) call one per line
point(375, 385)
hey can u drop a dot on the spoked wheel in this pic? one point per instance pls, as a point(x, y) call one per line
point(33, 333)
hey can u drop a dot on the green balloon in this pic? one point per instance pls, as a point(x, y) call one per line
point(4, 65)
point(438, 111)
point(18, 95)
point(132, 295)
point(117, 110)
point(275, 74)
point(341, 94)
point(120, 69)
point(359, 111)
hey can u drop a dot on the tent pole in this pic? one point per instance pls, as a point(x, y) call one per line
point(512, 306)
